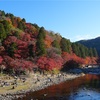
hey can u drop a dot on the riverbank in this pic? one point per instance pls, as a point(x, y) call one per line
point(33, 82)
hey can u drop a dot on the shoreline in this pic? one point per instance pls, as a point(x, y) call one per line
point(38, 82)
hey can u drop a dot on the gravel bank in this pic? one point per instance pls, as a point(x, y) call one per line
point(38, 82)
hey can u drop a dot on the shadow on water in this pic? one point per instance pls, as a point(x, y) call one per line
point(83, 88)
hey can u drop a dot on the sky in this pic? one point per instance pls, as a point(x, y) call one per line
point(72, 19)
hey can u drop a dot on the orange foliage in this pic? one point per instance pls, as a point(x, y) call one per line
point(48, 41)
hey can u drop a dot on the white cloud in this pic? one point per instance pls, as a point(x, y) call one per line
point(83, 37)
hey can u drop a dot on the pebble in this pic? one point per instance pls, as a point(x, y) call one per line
point(52, 80)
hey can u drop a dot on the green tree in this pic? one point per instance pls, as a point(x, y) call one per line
point(2, 13)
point(21, 25)
point(82, 51)
point(40, 50)
point(55, 44)
point(65, 45)
point(23, 20)
point(40, 46)
point(91, 52)
point(42, 33)
point(36, 26)
point(95, 54)
point(6, 26)
point(2, 32)
point(74, 48)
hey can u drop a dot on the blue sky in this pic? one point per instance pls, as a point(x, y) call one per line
point(73, 19)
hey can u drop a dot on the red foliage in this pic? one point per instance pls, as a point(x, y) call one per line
point(48, 41)
point(46, 63)
point(22, 49)
point(21, 64)
point(2, 49)
point(9, 40)
point(26, 37)
point(1, 59)
point(67, 57)
point(18, 64)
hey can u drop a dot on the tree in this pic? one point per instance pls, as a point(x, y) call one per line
point(11, 49)
point(6, 26)
point(23, 20)
point(74, 48)
point(2, 32)
point(46, 63)
point(42, 33)
point(65, 45)
point(91, 52)
point(82, 52)
point(95, 54)
point(55, 44)
point(31, 51)
point(40, 46)
point(2, 13)
point(21, 25)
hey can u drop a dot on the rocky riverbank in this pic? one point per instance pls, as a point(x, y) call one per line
point(37, 82)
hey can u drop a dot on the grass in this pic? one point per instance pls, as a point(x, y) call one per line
point(8, 89)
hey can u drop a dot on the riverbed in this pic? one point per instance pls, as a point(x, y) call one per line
point(83, 88)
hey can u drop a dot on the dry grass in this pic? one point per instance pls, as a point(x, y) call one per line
point(8, 89)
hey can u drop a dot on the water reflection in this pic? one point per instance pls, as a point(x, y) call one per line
point(87, 87)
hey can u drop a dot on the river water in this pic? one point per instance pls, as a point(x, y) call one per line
point(83, 88)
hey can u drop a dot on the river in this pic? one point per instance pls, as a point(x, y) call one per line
point(82, 88)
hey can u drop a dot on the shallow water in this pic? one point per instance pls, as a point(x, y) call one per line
point(83, 88)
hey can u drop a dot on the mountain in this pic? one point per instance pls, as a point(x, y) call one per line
point(25, 46)
point(92, 43)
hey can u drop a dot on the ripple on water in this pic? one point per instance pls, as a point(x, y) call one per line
point(85, 95)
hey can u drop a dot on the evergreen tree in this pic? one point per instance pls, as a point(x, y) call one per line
point(42, 33)
point(91, 52)
point(40, 46)
point(40, 50)
point(65, 45)
point(55, 44)
point(2, 32)
point(23, 20)
point(82, 52)
point(74, 48)
point(95, 54)
point(6, 26)
point(21, 25)
point(36, 26)
point(2, 13)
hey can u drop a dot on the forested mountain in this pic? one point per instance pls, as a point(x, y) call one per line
point(92, 43)
point(24, 46)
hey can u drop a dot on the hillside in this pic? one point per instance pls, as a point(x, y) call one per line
point(92, 43)
point(25, 46)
